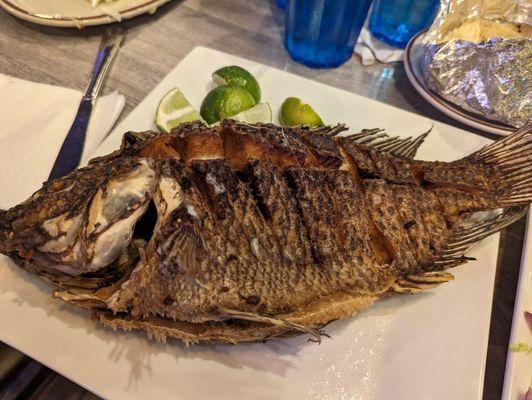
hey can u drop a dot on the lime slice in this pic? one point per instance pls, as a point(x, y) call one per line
point(237, 76)
point(224, 102)
point(260, 113)
point(174, 109)
point(294, 112)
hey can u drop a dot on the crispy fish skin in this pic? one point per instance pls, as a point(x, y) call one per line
point(248, 232)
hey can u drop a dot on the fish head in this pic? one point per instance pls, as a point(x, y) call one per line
point(81, 223)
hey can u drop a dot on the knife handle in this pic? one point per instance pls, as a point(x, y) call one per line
point(106, 55)
point(72, 149)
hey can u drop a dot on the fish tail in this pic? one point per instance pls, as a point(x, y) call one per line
point(511, 160)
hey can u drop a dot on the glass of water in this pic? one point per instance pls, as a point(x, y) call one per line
point(395, 22)
point(323, 33)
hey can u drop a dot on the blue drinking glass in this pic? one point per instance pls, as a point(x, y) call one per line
point(323, 33)
point(395, 22)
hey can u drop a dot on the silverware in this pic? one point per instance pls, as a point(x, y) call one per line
point(69, 156)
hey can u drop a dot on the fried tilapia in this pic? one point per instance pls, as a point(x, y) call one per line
point(249, 232)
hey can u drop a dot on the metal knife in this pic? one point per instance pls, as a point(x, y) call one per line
point(69, 156)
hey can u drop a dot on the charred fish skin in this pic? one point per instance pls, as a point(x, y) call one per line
point(235, 261)
point(249, 232)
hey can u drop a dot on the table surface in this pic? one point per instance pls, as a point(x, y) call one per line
point(251, 29)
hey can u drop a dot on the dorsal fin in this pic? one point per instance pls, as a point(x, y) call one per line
point(379, 140)
point(376, 138)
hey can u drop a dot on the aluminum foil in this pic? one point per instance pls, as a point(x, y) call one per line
point(490, 76)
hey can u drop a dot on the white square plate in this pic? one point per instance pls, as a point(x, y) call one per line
point(427, 346)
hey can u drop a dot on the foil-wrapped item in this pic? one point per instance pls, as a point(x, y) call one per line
point(479, 57)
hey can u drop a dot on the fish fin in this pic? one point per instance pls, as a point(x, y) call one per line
point(416, 283)
point(379, 140)
point(255, 317)
point(431, 278)
point(329, 130)
point(512, 157)
point(322, 130)
point(184, 246)
point(469, 233)
point(192, 244)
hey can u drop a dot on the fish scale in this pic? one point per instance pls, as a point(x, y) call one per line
point(240, 232)
point(433, 221)
point(271, 189)
point(387, 218)
point(248, 232)
point(411, 206)
point(314, 205)
point(360, 275)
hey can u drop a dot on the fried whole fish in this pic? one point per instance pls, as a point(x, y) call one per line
point(249, 232)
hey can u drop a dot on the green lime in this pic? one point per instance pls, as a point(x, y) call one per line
point(294, 112)
point(174, 109)
point(260, 113)
point(224, 102)
point(237, 76)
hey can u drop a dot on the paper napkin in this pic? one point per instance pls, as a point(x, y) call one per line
point(34, 121)
point(371, 49)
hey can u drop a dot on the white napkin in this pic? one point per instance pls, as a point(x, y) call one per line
point(370, 49)
point(34, 121)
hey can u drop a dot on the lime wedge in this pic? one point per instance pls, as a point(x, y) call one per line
point(260, 113)
point(174, 109)
point(224, 102)
point(294, 112)
point(237, 76)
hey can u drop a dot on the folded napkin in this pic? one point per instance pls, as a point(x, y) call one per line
point(371, 49)
point(35, 119)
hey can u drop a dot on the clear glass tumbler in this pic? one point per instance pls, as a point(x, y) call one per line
point(395, 22)
point(323, 33)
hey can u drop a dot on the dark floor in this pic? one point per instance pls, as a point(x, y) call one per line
point(23, 378)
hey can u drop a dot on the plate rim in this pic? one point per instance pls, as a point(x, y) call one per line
point(62, 22)
point(449, 109)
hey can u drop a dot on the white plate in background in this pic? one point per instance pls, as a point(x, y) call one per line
point(78, 13)
point(427, 346)
point(413, 56)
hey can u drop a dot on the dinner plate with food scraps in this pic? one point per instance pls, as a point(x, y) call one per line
point(428, 345)
point(79, 13)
